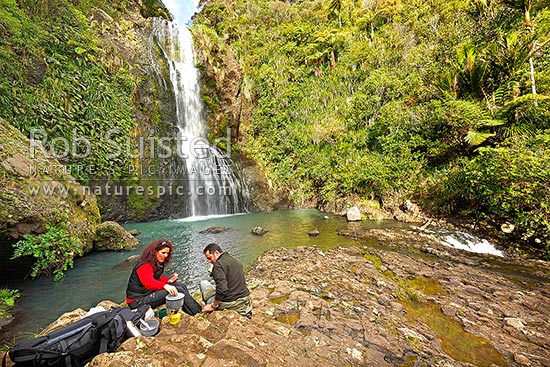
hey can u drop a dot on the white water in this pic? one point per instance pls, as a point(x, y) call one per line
point(465, 241)
point(213, 186)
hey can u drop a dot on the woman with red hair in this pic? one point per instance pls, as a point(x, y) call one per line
point(147, 285)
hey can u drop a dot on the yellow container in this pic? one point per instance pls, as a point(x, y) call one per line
point(175, 318)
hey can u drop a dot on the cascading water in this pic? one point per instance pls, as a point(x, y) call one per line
point(213, 187)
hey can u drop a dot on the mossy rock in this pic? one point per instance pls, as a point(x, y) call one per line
point(36, 190)
point(111, 236)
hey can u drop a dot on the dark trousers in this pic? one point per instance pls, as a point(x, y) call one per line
point(157, 298)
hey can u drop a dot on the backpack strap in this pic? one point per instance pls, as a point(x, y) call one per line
point(36, 358)
point(64, 347)
point(111, 334)
point(39, 357)
point(103, 344)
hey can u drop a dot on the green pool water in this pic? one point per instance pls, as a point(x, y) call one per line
point(103, 275)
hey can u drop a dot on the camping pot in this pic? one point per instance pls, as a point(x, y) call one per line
point(174, 302)
point(149, 327)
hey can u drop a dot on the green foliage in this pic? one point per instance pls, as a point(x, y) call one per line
point(341, 98)
point(526, 115)
point(373, 99)
point(467, 74)
point(62, 79)
point(154, 8)
point(54, 250)
point(511, 52)
point(8, 297)
point(504, 184)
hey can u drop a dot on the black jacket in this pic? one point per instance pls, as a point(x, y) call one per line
point(135, 288)
point(228, 274)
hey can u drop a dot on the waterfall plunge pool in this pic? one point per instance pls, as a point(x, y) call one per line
point(103, 275)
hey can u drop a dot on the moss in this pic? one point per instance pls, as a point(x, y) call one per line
point(455, 341)
point(154, 8)
point(280, 299)
point(428, 286)
point(24, 198)
point(291, 317)
point(140, 205)
point(375, 260)
point(111, 236)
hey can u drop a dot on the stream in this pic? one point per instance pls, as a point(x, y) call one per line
point(103, 275)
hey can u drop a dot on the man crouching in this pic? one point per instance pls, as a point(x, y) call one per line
point(230, 292)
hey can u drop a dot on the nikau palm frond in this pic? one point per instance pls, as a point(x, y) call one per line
point(476, 137)
point(521, 116)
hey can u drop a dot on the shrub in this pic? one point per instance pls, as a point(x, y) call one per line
point(54, 250)
point(505, 184)
point(8, 297)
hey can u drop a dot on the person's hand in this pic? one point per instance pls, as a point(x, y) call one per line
point(208, 308)
point(173, 278)
point(171, 289)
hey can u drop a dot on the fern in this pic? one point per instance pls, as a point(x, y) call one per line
point(524, 116)
point(53, 250)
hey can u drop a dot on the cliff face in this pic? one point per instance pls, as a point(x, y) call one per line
point(106, 72)
point(153, 115)
point(221, 83)
point(226, 96)
point(36, 190)
point(84, 70)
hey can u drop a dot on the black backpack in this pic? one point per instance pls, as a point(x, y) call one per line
point(76, 344)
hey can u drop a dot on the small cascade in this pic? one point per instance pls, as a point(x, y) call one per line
point(213, 187)
point(464, 241)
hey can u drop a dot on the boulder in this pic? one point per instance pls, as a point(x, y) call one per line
point(134, 232)
point(258, 231)
point(507, 227)
point(408, 206)
point(37, 192)
point(111, 236)
point(214, 230)
point(132, 259)
point(353, 214)
point(313, 233)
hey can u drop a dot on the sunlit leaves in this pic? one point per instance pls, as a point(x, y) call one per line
point(53, 251)
point(370, 98)
point(509, 182)
point(476, 137)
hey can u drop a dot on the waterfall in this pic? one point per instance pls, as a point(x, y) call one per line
point(213, 186)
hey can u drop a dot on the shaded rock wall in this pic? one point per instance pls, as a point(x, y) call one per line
point(35, 189)
point(154, 115)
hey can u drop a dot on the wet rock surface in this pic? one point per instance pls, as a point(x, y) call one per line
point(214, 230)
point(111, 236)
point(389, 301)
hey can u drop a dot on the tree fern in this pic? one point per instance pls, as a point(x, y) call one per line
point(523, 115)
